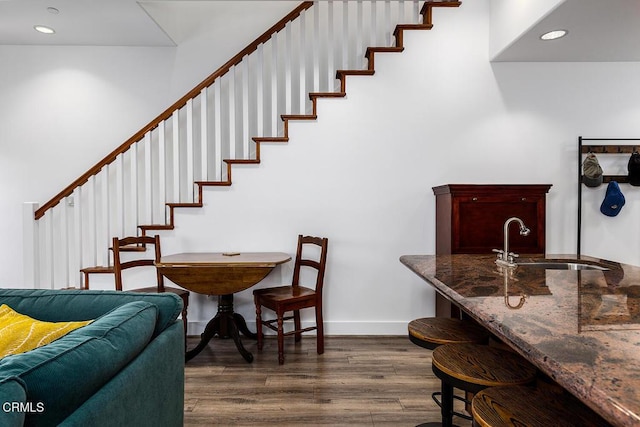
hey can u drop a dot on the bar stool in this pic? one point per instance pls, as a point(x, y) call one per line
point(432, 332)
point(472, 368)
point(531, 407)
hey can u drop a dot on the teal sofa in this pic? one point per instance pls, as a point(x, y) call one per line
point(126, 368)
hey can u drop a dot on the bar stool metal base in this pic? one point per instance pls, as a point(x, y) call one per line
point(437, 394)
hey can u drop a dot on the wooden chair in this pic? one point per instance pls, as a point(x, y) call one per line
point(139, 244)
point(293, 298)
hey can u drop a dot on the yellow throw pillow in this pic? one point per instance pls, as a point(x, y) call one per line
point(20, 333)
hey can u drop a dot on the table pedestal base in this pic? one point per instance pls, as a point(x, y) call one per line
point(225, 324)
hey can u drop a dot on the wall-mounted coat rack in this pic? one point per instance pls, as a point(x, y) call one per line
point(619, 146)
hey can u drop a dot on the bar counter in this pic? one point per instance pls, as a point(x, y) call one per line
point(579, 327)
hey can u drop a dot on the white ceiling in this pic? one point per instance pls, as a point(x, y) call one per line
point(80, 22)
point(107, 22)
point(599, 30)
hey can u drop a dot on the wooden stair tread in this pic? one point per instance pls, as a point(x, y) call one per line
point(241, 161)
point(271, 138)
point(526, 406)
point(327, 95)
point(156, 227)
point(97, 270)
point(213, 183)
point(483, 365)
point(341, 73)
point(184, 205)
point(413, 27)
point(390, 49)
point(299, 116)
point(440, 4)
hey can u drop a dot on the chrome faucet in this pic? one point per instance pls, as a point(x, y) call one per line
point(506, 258)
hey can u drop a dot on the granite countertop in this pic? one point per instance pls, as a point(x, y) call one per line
point(580, 327)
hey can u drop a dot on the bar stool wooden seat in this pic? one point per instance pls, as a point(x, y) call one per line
point(531, 407)
point(431, 332)
point(472, 368)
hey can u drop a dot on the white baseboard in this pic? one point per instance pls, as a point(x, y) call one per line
point(330, 328)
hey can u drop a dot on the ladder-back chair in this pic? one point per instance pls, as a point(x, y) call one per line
point(284, 299)
point(139, 244)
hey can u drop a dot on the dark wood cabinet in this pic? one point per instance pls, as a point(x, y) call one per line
point(470, 220)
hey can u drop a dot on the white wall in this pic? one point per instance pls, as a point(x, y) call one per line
point(217, 31)
point(52, 128)
point(362, 174)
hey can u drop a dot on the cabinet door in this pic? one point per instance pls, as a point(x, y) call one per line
point(478, 223)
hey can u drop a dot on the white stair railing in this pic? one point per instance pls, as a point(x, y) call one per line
point(217, 123)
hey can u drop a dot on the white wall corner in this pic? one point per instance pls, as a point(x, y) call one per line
point(510, 19)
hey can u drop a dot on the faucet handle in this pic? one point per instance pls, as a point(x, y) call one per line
point(511, 256)
point(500, 253)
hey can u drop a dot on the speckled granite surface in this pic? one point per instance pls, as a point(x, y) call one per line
point(580, 327)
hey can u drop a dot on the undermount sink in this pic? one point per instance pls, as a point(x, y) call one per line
point(562, 265)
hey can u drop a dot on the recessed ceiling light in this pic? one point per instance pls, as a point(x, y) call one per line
point(552, 35)
point(43, 29)
point(53, 10)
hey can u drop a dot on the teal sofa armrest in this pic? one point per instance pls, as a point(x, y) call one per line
point(74, 305)
point(13, 401)
point(62, 375)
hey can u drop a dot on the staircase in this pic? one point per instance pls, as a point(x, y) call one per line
point(196, 142)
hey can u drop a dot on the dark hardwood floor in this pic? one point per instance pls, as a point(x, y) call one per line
point(358, 381)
